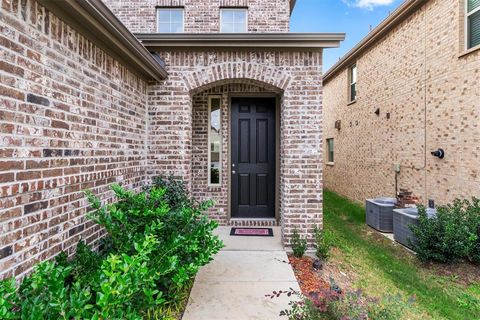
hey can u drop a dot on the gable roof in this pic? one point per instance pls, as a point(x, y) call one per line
point(292, 5)
point(393, 20)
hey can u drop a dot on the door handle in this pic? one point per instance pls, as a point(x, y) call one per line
point(233, 172)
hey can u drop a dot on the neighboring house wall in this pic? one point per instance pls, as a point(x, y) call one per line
point(71, 118)
point(203, 16)
point(417, 74)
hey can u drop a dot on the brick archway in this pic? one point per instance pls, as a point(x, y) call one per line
point(217, 74)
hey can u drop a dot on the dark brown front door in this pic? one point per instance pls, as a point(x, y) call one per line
point(253, 158)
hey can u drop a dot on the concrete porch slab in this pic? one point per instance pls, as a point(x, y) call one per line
point(244, 266)
point(234, 285)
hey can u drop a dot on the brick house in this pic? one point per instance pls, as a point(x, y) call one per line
point(409, 88)
point(216, 92)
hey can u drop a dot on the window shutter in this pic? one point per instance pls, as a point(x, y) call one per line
point(473, 4)
point(474, 27)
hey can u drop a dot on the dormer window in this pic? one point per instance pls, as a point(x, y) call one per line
point(233, 20)
point(170, 20)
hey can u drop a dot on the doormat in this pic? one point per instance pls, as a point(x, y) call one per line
point(252, 232)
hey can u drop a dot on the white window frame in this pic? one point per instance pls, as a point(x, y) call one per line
point(171, 9)
point(233, 9)
point(210, 184)
point(332, 152)
point(467, 29)
point(351, 83)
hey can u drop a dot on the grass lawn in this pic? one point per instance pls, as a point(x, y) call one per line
point(380, 267)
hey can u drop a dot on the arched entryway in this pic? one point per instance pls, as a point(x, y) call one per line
point(236, 150)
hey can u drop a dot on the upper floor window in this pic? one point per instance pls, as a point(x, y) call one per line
point(233, 20)
point(170, 20)
point(352, 83)
point(473, 23)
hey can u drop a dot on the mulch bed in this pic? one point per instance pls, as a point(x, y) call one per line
point(310, 281)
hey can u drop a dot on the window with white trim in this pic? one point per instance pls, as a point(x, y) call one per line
point(233, 20)
point(473, 23)
point(352, 83)
point(214, 140)
point(169, 20)
point(330, 155)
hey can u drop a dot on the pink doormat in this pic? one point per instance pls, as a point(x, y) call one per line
point(252, 232)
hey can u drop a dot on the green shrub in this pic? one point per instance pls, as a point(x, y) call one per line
point(299, 244)
point(452, 235)
point(324, 242)
point(176, 194)
point(148, 259)
point(185, 234)
point(8, 299)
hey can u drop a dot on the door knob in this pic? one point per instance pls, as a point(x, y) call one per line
point(233, 172)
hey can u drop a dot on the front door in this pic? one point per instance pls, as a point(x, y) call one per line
point(253, 158)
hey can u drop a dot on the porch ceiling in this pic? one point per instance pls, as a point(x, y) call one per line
point(241, 40)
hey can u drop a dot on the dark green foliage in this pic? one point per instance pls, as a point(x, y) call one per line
point(324, 242)
point(184, 234)
point(454, 234)
point(8, 299)
point(176, 195)
point(148, 259)
point(299, 244)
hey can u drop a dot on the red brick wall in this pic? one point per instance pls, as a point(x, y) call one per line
point(71, 118)
point(296, 75)
point(203, 16)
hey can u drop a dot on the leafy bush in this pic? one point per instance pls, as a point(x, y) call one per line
point(177, 195)
point(323, 243)
point(299, 244)
point(8, 299)
point(185, 234)
point(150, 255)
point(452, 235)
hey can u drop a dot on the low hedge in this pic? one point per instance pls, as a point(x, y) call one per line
point(453, 234)
point(155, 245)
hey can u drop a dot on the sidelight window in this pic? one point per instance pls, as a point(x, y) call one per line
point(214, 140)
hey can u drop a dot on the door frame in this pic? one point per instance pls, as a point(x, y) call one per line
point(277, 97)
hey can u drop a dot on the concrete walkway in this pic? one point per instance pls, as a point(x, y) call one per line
point(234, 285)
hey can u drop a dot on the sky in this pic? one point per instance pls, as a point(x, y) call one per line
point(353, 17)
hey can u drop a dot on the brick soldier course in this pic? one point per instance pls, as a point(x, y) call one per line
point(415, 69)
point(84, 105)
